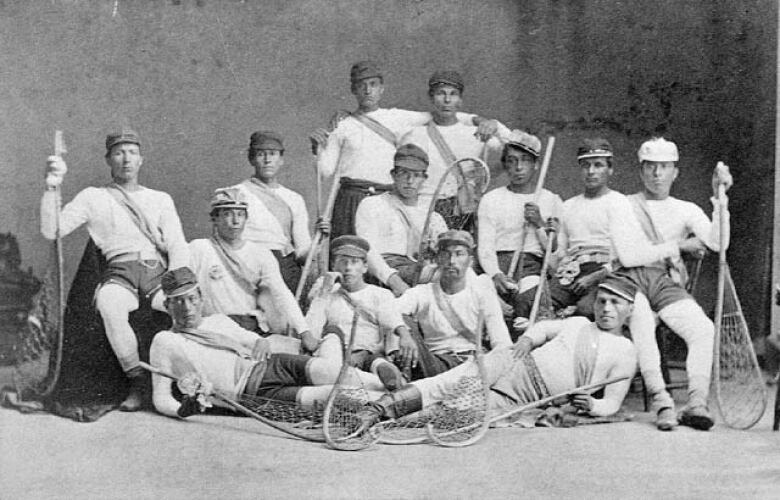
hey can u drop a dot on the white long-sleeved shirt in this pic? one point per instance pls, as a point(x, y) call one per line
point(361, 154)
point(112, 229)
point(557, 359)
point(438, 332)
point(608, 221)
point(461, 140)
point(332, 309)
point(179, 356)
point(272, 303)
point(379, 220)
point(263, 227)
point(501, 222)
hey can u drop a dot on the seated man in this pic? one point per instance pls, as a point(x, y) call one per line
point(393, 222)
point(552, 357)
point(378, 320)
point(666, 219)
point(501, 230)
point(278, 218)
point(220, 354)
point(444, 314)
point(241, 278)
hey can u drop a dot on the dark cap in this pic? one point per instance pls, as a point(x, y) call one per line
point(594, 148)
point(350, 245)
point(454, 237)
point(178, 281)
point(125, 136)
point(266, 139)
point(231, 197)
point(411, 157)
point(446, 77)
point(364, 69)
point(525, 141)
point(619, 285)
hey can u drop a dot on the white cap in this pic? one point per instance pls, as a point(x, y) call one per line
point(658, 149)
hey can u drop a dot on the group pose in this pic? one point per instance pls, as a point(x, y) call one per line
point(409, 281)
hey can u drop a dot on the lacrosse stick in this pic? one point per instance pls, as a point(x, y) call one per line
point(541, 288)
point(284, 416)
point(551, 399)
point(38, 351)
point(739, 384)
point(516, 257)
point(472, 176)
point(342, 424)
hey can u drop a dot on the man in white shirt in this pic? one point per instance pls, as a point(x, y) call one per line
point(379, 324)
point(278, 218)
point(393, 223)
point(501, 230)
point(240, 278)
point(138, 231)
point(552, 357)
point(213, 354)
point(359, 150)
point(444, 314)
point(445, 139)
point(665, 218)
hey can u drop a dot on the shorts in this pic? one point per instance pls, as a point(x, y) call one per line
point(283, 377)
point(532, 263)
point(140, 277)
point(660, 289)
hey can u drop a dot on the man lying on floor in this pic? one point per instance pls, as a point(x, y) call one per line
point(552, 357)
point(217, 355)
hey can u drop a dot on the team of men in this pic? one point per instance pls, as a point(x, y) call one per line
point(417, 329)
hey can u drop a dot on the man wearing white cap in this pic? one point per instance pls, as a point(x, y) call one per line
point(501, 229)
point(139, 233)
point(446, 139)
point(241, 278)
point(444, 314)
point(360, 148)
point(666, 219)
point(393, 222)
point(278, 218)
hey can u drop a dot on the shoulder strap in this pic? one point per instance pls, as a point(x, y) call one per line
point(215, 340)
point(276, 206)
point(357, 307)
point(232, 261)
point(438, 140)
point(413, 233)
point(138, 217)
point(586, 349)
point(449, 312)
point(639, 203)
point(376, 127)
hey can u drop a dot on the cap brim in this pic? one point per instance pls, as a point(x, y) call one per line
point(524, 148)
point(616, 291)
point(410, 164)
point(350, 252)
point(182, 290)
point(595, 154)
point(229, 205)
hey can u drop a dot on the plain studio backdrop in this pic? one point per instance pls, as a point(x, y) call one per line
point(196, 77)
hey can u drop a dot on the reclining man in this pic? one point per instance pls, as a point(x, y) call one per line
point(213, 352)
point(501, 230)
point(241, 278)
point(393, 223)
point(665, 218)
point(379, 324)
point(278, 218)
point(359, 151)
point(552, 357)
point(444, 314)
point(138, 231)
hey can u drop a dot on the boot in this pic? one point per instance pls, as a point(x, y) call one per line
point(389, 374)
point(696, 414)
point(666, 420)
point(139, 385)
point(395, 404)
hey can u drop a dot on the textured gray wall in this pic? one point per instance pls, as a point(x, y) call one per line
point(195, 77)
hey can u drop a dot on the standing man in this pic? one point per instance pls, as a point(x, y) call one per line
point(393, 222)
point(446, 140)
point(278, 219)
point(444, 314)
point(552, 357)
point(138, 231)
point(664, 218)
point(501, 230)
point(360, 148)
point(241, 278)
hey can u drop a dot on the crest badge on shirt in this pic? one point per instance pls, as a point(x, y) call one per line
point(216, 272)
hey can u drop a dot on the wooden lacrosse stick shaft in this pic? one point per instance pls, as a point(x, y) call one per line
point(334, 188)
point(542, 278)
point(550, 399)
point(537, 193)
point(721, 268)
